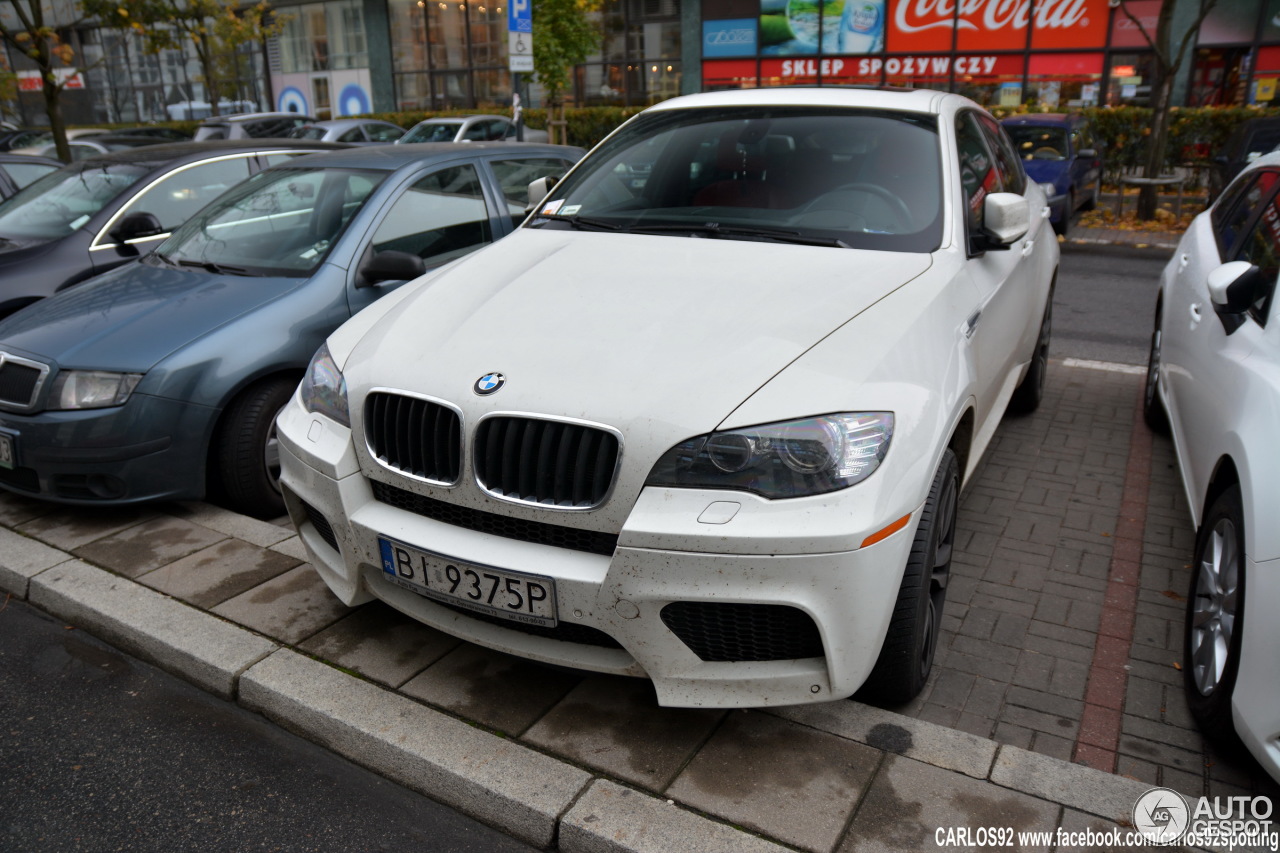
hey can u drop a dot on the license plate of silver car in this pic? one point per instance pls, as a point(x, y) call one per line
point(6, 451)
point(517, 596)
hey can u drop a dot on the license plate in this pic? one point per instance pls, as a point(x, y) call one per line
point(6, 451)
point(517, 596)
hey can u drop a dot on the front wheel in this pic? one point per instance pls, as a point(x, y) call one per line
point(1153, 410)
point(1063, 225)
point(1091, 203)
point(1215, 614)
point(248, 450)
point(906, 657)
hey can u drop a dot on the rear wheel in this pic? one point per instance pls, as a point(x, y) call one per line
point(1215, 611)
point(1030, 391)
point(906, 658)
point(248, 450)
point(1091, 203)
point(1063, 225)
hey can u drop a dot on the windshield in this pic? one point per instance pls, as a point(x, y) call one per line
point(307, 131)
point(814, 175)
point(1038, 143)
point(64, 200)
point(442, 131)
point(282, 221)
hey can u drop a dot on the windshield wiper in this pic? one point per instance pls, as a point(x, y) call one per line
point(715, 229)
point(583, 223)
point(162, 258)
point(210, 266)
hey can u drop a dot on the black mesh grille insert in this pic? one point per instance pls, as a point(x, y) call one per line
point(569, 632)
point(743, 632)
point(546, 462)
point(321, 524)
point(17, 383)
point(415, 436)
point(591, 541)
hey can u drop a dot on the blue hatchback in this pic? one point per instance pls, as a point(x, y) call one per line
point(161, 379)
point(1060, 154)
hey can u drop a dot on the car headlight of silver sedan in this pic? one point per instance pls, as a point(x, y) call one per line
point(781, 460)
point(92, 389)
point(324, 389)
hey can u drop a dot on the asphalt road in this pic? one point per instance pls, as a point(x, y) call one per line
point(1104, 303)
point(100, 752)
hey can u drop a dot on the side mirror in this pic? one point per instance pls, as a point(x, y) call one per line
point(1006, 218)
point(539, 190)
point(135, 226)
point(1087, 153)
point(391, 266)
point(1232, 288)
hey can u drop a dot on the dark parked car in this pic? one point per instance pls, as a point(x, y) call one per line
point(99, 213)
point(23, 137)
point(18, 170)
point(162, 379)
point(1059, 153)
point(1247, 143)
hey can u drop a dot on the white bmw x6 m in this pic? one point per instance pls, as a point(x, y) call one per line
point(704, 418)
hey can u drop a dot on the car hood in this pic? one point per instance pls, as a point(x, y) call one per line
point(1046, 171)
point(660, 336)
point(130, 318)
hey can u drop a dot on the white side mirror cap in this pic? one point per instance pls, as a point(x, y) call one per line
point(1006, 217)
point(1221, 279)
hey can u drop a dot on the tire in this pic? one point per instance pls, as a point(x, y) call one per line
point(906, 657)
point(1030, 391)
point(1215, 617)
point(248, 456)
point(1091, 203)
point(1063, 225)
point(1153, 411)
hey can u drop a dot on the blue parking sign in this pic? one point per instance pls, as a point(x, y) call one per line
point(520, 16)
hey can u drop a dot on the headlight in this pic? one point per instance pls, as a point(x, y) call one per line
point(1049, 190)
point(92, 389)
point(782, 460)
point(324, 390)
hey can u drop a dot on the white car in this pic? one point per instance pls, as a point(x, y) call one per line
point(705, 416)
point(1214, 378)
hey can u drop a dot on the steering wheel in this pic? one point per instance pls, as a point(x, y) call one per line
point(1047, 152)
point(828, 201)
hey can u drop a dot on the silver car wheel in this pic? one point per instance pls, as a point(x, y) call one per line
point(1213, 611)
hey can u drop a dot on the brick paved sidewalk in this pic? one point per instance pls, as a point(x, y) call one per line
point(1075, 516)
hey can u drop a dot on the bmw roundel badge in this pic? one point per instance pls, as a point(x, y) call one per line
point(489, 383)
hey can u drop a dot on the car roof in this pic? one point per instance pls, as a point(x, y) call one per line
point(10, 157)
point(1044, 118)
point(173, 151)
point(457, 119)
point(237, 117)
point(865, 97)
point(391, 157)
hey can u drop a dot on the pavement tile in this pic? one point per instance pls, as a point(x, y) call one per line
point(505, 693)
point(613, 723)
point(777, 777)
point(909, 802)
point(16, 509)
point(69, 528)
point(381, 644)
point(261, 533)
point(217, 573)
point(290, 607)
point(1089, 790)
point(148, 546)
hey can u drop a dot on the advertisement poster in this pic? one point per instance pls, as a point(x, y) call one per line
point(812, 27)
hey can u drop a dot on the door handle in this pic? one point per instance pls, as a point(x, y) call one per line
point(1044, 212)
point(1027, 248)
point(971, 325)
point(1183, 260)
point(1195, 312)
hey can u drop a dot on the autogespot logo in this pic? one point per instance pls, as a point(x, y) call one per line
point(1161, 815)
point(489, 383)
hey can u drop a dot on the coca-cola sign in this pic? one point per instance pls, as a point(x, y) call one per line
point(996, 24)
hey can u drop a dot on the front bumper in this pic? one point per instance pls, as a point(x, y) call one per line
point(848, 595)
point(1255, 704)
point(151, 448)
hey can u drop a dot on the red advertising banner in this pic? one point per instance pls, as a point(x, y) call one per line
point(928, 25)
point(1126, 33)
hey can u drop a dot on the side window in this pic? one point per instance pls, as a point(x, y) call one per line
point(382, 132)
point(352, 135)
point(477, 132)
point(1232, 214)
point(175, 198)
point(978, 174)
point(1261, 248)
point(514, 176)
point(1007, 160)
point(440, 217)
point(277, 159)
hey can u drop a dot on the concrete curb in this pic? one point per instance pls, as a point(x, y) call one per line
point(538, 798)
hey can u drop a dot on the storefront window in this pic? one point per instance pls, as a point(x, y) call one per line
point(447, 34)
point(323, 36)
point(408, 34)
point(1132, 75)
point(1064, 81)
point(413, 92)
point(345, 37)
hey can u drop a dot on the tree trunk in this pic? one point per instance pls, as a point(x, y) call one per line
point(53, 106)
point(1149, 197)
